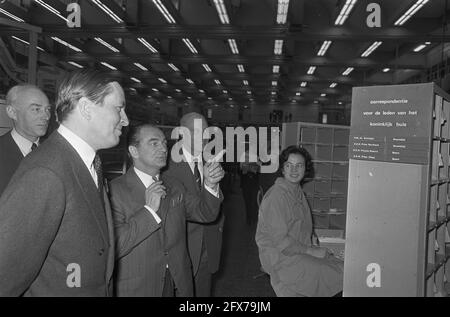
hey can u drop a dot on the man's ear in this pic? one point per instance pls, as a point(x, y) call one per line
point(133, 151)
point(84, 107)
point(11, 112)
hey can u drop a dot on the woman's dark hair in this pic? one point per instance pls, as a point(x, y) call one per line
point(294, 149)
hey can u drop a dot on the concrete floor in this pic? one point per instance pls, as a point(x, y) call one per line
point(240, 262)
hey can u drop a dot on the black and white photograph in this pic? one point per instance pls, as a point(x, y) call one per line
point(225, 153)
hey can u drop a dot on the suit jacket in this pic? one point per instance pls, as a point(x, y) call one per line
point(52, 217)
point(143, 247)
point(10, 158)
point(210, 233)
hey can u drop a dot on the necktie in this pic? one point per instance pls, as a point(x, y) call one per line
point(98, 170)
point(33, 147)
point(197, 177)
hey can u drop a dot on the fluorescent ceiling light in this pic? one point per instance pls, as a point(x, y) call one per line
point(273, 93)
point(230, 99)
point(303, 84)
point(164, 11)
point(190, 46)
point(276, 69)
point(345, 12)
point(386, 70)
point(311, 70)
point(324, 48)
point(209, 98)
point(371, 48)
point(282, 11)
point(225, 91)
point(12, 16)
point(245, 82)
point(241, 68)
point(217, 82)
point(177, 90)
point(189, 81)
point(278, 49)
point(112, 48)
point(348, 71)
point(323, 95)
point(57, 39)
point(108, 11)
point(169, 97)
point(298, 94)
point(207, 68)
point(108, 65)
point(419, 48)
point(249, 92)
point(189, 97)
point(27, 43)
point(333, 85)
point(274, 83)
point(147, 45)
point(233, 46)
point(141, 66)
point(201, 91)
point(222, 11)
point(155, 90)
point(173, 67)
point(75, 64)
point(50, 8)
point(411, 11)
point(162, 80)
point(135, 80)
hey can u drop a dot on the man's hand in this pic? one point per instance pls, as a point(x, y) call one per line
point(212, 174)
point(153, 195)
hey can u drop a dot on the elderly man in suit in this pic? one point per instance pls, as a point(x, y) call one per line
point(150, 213)
point(29, 109)
point(55, 220)
point(204, 239)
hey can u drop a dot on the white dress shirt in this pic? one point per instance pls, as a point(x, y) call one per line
point(191, 161)
point(86, 152)
point(147, 180)
point(23, 143)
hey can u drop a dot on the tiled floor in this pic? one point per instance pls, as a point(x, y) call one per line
point(240, 262)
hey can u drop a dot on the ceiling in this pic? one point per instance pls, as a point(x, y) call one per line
point(185, 54)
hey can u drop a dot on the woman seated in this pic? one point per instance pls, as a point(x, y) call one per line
point(284, 235)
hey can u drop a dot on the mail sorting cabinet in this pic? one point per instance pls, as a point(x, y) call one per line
point(326, 192)
point(397, 230)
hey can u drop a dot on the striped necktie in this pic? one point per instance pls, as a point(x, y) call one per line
point(197, 177)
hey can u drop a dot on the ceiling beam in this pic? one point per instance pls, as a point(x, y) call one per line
point(224, 32)
point(363, 63)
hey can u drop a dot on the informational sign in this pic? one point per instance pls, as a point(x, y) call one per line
point(391, 123)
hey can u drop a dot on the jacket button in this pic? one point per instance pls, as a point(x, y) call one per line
point(220, 229)
point(101, 251)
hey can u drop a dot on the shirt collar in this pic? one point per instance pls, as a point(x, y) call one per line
point(23, 143)
point(146, 179)
point(86, 152)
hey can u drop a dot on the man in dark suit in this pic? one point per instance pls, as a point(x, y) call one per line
point(204, 240)
point(29, 109)
point(150, 219)
point(55, 220)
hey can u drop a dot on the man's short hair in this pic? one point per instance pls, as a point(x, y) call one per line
point(87, 83)
point(17, 90)
point(189, 118)
point(134, 133)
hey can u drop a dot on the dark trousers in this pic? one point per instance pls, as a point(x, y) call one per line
point(202, 279)
point(169, 285)
point(250, 187)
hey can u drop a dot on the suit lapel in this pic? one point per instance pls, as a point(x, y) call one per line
point(186, 170)
point(15, 151)
point(87, 187)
